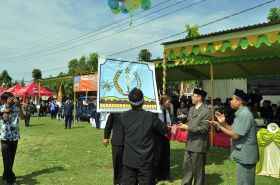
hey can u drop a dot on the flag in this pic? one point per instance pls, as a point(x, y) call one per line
point(59, 94)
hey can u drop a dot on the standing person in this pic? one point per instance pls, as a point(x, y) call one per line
point(68, 109)
point(52, 110)
point(243, 132)
point(27, 108)
point(162, 143)
point(9, 134)
point(96, 114)
point(198, 140)
point(114, 123)
point(139, 127)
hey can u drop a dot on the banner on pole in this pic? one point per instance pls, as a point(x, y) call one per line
point(118, 77)
point(85, 83)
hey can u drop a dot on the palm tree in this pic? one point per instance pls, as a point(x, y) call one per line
point(273, 15)
point(192, 31)
point(106, 86)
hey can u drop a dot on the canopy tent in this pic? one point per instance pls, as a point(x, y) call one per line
point(32, 89)
point(1, 90)
point(251, 51)
point(14, 89)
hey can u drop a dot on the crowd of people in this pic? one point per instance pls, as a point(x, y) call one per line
point(140, 139)
point(137, 132)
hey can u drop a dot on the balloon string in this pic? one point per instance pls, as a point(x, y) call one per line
point(131, 16)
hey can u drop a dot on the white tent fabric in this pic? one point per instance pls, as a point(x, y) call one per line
point(225, 88)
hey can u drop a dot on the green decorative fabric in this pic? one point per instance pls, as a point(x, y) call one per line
point(243, 43)
point(185, 60)
point(264, 138)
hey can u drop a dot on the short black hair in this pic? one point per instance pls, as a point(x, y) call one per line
point(6, 95)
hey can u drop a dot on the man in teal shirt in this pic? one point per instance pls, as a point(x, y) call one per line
point(243, 132)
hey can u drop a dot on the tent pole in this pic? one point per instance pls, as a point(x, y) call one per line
point(212, 102)
point(38, 103)
point(75, 107)
point(164, 75)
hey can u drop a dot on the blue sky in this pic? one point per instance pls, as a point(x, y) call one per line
point(38, 33)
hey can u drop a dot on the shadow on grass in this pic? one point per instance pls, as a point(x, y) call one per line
point(213, 179)
point(217, 155)
point(176, 163)
point(41, 124)
point(214, 155)
point(30, 178)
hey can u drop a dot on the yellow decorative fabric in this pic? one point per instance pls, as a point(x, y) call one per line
point(189, 49)
point(272, 36)
point(252, 39)
point(264, 138)
point(217, 45)
point(177, 51)
point(234, 43)
point(177, 62)
point(203, 47)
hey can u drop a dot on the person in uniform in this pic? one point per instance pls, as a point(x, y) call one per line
point(67, 111)
point(243, 132)
point(114, 123)
point(139, 127)
point(197, 141)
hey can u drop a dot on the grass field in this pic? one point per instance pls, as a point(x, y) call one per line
point(51, 155)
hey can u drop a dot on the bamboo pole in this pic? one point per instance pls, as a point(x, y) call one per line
point(212, 102)
point(75, 110)
point(164, 75)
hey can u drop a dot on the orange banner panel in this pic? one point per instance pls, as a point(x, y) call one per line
point(85, 83)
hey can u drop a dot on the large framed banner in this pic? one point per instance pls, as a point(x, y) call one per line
point(118, 77)
point(85, 83)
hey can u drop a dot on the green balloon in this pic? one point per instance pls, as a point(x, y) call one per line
point(146, 4)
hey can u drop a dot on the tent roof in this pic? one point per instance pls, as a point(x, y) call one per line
point(33, 89)
point(14, 89)
point(251, 51)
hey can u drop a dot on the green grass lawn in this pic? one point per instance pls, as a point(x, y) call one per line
point(49, 154)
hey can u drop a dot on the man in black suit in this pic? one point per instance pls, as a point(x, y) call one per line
point(198, 140)
point(139, 127)
point(114, 123)
point(68, 109)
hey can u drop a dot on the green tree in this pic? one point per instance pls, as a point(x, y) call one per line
point(83, 65)
point(144, 55)
point(192, 31)
point(36, 74)
point(273, 15)
point(92, 62)
point(5, 79)
point(22, 83)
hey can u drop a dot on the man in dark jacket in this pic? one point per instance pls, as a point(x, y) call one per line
point(198, 140)
point(114, 123)
point(139, 127)
point(68, 113)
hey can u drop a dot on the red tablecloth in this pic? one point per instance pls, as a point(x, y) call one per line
point(220, 139)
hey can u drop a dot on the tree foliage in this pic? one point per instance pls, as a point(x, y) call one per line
point(144, 55)
point(85, 65)
point(5, 79)
point(36, 74)
point(192, 31)
point(274, 14)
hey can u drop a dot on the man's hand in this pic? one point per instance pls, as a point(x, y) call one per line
point(214, 123)
point(220, 117)
point(182, 126)
point(106, 142)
